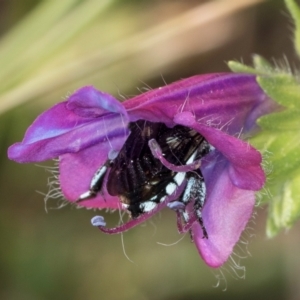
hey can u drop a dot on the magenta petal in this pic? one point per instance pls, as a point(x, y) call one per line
point(245, 170)
point(232, 101)
point(89, 102)
point(92, 127)
point(225, 215)
point(76, 171)
point(251, 178)
point(54, 122)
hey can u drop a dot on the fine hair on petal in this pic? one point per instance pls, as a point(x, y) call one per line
point(233, 265)
point(211, 120)
point(122, 96)
point(238, 134)
point(186, 103)
point(174, 243)
point(221, 279)
point(146, 88)
point(237, 271)
point(54, 189)
point(268, 168)
point(233, 268)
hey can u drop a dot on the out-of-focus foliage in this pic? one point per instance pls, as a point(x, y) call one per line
point(61, 45)
point(54, 47)
point(279, 137)
point(294, 10)
point(279, 140)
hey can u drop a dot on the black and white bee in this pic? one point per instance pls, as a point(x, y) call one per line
point(142, 181)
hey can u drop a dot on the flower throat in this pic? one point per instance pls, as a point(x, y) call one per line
point(142, 180)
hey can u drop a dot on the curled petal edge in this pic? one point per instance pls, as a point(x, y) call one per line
point(245, 161)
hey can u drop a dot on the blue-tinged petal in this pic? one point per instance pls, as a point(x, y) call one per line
point(101, 130)
point(71, 126)
point(89, 102)
point(225, 214)
point(53, 122)
point(248, 178)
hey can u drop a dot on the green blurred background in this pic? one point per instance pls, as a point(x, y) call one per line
point(48, 49)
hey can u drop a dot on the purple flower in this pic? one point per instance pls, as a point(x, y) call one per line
point(94, 135)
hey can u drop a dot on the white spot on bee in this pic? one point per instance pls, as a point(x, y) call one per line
point(147, 206)
point(171, 187)
point(179, 177)
point(85, 195)
point(186, 216)
point(187, 191)
point(192, 158)
point(203, 195)
point(100, 172)
point(153, 198)
point(162, 199)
